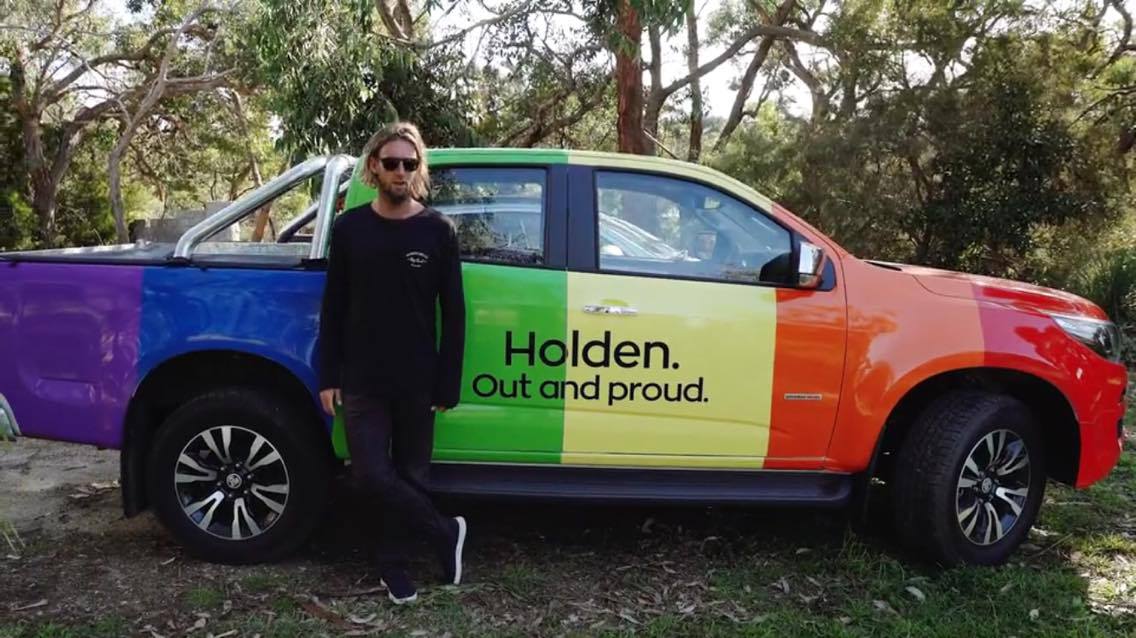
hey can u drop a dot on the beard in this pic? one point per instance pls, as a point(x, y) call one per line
point(394, 198)
point(394, 194)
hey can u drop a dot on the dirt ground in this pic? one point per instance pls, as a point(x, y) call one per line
point(71, 565)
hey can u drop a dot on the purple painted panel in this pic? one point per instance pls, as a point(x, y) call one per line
point(69, 348)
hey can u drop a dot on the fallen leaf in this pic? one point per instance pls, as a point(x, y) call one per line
point(686, 609)
point(882, 605)
point(1005, 588)
point(782, 584)
point(626, 615)
point(845, 620)
point(13, 557)
point(1034, 614)
point(646, 528)
point(362, 621)
point(169, 560)
point(916, 592)
point(231, 632)
point(316, 609)
point(38, 603)
point(419, 632)
point(200, 624)
point(802, 550)
point(226, 607)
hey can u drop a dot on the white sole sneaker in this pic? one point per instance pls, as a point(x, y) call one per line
point(395, 599)
point(458, 550)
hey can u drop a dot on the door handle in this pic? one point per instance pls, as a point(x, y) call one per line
point(610, 310)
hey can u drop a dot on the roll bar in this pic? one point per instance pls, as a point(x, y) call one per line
point(333, 167)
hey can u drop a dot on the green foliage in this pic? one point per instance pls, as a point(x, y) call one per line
point(17, 222)
point(970, 175)
point(333, 81)
point(84, 215)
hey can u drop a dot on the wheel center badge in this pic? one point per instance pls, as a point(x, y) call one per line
point(987, 485)
point(233, 481)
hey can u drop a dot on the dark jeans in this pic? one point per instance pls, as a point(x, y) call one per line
point(390, 442)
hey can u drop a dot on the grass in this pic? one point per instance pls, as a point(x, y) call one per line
point(257, 583)
point(203, 598)
point(703, 574)
point(108, 627)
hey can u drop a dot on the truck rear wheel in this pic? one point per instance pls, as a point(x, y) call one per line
point(236, 477)
point(969, 479)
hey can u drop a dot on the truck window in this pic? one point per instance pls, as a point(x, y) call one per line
point(656, 225)
point(498, 212)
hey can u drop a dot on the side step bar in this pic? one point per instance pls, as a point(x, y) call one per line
point(642, 485)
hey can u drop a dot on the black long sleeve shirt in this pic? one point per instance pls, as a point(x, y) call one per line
point(385, 278)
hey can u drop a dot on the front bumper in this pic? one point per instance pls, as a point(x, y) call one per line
point(1102, 442)
point(9, 429)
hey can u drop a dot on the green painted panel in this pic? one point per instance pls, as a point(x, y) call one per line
point(502, 416)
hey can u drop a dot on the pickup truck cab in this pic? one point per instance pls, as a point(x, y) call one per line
point(639, 329)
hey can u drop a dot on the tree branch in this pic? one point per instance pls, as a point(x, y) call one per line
point(141, 53)
point(750, 75)
point(523, 8)
point(775, 31)
point(1125, 43)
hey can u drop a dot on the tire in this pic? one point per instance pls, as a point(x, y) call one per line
point(280, 486)
point(934, 486)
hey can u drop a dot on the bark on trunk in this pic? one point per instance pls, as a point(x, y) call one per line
point(695, 150)
point(629, 79)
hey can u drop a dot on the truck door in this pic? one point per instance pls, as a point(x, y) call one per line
point(688, 346)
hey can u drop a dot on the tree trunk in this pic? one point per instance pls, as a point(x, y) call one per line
point(695, 150)
point(44, 203)
point(35, 158)
point(655, 96)
point(114, 177)
point(629, 80)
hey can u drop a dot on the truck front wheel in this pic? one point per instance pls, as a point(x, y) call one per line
point(236, 476)
point(969, 479)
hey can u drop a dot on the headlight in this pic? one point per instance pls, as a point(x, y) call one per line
point(1103, 337)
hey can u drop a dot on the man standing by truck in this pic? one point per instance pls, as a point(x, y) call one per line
point(391, 261)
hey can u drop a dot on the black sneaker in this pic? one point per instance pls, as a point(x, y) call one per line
point(400, 588)
point(451, 552)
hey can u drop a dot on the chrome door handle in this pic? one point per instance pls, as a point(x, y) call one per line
point(610, 310)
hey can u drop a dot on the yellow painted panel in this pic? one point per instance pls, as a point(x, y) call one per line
point(662, 460)
point(689, 375)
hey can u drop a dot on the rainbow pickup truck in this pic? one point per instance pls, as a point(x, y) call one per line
point(639, 330)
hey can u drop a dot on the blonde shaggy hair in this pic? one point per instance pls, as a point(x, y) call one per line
point(420, 179)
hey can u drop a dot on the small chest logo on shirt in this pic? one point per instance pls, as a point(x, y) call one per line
point(417, 259)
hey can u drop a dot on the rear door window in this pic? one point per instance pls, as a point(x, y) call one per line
point(499, 212)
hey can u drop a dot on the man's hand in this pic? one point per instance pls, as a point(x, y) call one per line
point(330, 398)
point(439, 408)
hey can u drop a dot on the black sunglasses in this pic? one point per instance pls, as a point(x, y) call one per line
point(391, 163)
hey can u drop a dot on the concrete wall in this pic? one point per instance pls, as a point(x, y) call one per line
point(175, 223)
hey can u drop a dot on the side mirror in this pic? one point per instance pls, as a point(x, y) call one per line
point(810, 266)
